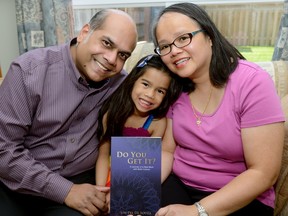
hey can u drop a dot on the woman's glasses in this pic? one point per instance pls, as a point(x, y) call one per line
point(181, 41)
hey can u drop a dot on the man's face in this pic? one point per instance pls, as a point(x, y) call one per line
point(101, 54)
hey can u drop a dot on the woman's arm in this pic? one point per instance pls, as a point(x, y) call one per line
point(263, 147)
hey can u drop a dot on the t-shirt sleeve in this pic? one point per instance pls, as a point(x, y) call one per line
point(181, 100)
point(258, 101)
point(170, 112)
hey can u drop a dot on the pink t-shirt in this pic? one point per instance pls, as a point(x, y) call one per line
point(210, 156)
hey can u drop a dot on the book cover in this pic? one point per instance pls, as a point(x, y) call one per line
point(135, 176)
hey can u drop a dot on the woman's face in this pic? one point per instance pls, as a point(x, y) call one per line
point(191, 61)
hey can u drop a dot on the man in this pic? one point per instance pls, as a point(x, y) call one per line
point(48, 118)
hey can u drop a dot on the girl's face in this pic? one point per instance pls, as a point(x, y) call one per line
point(149, 90)
point(191, 61)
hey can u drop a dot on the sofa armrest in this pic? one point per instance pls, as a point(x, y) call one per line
point(279, 73)
point(281, 189)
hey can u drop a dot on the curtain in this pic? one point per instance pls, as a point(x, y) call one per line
point(281, 45)
point(42, 23)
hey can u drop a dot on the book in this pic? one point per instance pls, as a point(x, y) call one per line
point(135, 176)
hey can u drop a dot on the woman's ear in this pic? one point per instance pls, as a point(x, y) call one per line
point(210, 41)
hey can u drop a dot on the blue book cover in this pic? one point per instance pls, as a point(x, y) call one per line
point(135, 176)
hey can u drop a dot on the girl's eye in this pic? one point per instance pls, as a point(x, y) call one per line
point(161, 91)
point(145, 84)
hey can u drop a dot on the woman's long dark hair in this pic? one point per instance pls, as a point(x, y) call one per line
point(119, 106)
point(224, 55)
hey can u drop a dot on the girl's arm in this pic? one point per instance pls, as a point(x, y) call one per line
point(262, 150)
point(163, 128)
point(103, 161)
point(158, 127)
point(168, 148)
point(103, 164)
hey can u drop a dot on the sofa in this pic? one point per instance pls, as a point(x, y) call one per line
point(279, 73)
point(278, 70)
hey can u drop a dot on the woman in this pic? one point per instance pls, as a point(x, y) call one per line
point(223, 143)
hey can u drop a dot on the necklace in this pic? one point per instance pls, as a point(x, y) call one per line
point(199, 117)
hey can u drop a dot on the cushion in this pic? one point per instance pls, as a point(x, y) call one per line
point(142, 49)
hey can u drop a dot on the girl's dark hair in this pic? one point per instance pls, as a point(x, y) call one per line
point(119, 106)
point(224, 55)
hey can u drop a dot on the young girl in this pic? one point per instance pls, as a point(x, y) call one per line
point(137, 108)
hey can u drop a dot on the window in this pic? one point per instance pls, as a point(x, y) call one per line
point(250, 26)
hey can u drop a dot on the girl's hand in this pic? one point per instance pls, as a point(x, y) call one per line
point(108, 201)
point(107, 197)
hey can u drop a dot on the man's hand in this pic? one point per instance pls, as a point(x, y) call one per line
point(89, 199)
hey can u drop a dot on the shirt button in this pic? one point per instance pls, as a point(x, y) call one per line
point(72, 140)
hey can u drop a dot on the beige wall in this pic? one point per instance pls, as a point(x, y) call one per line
point(8, 34)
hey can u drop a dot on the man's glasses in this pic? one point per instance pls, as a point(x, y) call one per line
point(181, 41)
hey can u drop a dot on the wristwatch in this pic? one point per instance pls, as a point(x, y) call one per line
point(201, 210)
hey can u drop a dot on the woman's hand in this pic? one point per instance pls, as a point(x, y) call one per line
point(178, 210)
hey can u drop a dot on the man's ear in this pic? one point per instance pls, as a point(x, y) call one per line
point(83, 33)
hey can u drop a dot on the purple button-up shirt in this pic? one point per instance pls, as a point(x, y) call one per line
point(48, 121)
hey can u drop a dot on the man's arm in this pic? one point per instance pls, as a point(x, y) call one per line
point(18, 169)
